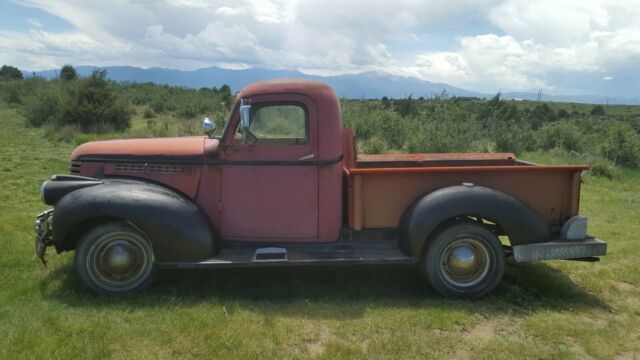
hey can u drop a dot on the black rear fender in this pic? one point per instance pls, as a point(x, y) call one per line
point(176, 227)
point(520, 223)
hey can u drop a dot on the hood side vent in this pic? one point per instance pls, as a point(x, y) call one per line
point(152, 169)
point(74, 168)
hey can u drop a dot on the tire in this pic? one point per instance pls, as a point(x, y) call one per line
point(464, 260)
point(115, 258)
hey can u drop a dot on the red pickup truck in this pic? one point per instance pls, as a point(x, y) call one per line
point(284, 185)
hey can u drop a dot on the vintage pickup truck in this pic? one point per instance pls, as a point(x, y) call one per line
point(284, 185)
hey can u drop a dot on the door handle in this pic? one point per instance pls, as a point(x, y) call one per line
point(307, 157)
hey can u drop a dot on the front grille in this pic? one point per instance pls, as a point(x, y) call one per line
point(152, 168)
point(74, 169)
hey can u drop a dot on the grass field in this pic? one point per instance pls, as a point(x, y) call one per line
point(545, 310)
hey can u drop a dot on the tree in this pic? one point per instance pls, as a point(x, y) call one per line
point(68, 73)
point(8, 73)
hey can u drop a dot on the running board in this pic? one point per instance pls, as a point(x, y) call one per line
point(296, 256)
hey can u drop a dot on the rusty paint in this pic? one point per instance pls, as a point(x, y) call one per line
point(386, 195)
point(176, 146)
point(490, 168)
point(357, 203)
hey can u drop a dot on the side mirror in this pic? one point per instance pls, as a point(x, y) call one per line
point(208, 126)
point(245, 114)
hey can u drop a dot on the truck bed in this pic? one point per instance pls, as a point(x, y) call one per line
point(380, 187)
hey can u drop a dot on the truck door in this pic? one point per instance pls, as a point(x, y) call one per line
point(270, 186)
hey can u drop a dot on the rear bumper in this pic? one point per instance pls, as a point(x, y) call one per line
point(560, 249)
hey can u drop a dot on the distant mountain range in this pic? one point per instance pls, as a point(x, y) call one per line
point(367, 85)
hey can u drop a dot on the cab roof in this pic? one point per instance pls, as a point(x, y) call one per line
point(311, 88)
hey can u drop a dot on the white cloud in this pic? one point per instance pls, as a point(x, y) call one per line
point(520, 44)
point(35, 22)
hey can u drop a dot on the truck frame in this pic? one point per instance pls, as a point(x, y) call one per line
point(284, 186)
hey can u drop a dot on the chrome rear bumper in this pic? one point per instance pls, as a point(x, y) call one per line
point(560, 249)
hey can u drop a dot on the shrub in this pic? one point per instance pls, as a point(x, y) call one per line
point(564, 135)
point(187, 111)
point(373, 145)
point(405, 107)
point(11, 92)
point(622, 146)
point(92, 105)
point(604, 169)
point(597, 110)
point(148, 113)
point(42, 108)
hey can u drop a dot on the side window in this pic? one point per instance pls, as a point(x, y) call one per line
point(279, 124)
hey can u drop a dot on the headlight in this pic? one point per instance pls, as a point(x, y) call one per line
point(42, 189)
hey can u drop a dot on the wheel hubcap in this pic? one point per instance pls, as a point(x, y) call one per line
point(119, 258)
point(465, 262)
point(119, 261)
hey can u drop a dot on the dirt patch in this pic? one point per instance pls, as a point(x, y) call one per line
point(315, 346)
point(483, 330)
point(629, 355)
point(623, 285)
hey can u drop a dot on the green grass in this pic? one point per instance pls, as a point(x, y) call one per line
point(557, 309)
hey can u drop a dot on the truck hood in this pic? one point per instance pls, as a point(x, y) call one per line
point(194, 146)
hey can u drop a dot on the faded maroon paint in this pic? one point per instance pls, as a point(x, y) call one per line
point(290, 203)
point(209, 196)
point(176, 146)
point(265, 202)
point(180, 147)
point(186, 182)
point(325, 100)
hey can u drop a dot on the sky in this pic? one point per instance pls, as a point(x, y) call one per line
point(558, 46)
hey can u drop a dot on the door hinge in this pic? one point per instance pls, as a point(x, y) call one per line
point(220, 207)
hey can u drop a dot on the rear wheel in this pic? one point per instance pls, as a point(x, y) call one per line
point(115, 258)
point(464, 261)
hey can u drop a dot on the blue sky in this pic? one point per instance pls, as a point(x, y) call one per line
point(559, 46)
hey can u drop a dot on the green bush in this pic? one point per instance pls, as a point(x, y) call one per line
point(148, 113)
point(11, 92)
point(622, 145)
point(564, 135)
point(597, 110)
point(42, 108)
point(93, 105)
point(604, 169)
point(373, 145)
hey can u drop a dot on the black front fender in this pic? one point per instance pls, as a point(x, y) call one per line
point(176, 227)
point(522, 224)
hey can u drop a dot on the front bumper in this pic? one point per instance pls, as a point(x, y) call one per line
point(590, 247)
point(43, 233)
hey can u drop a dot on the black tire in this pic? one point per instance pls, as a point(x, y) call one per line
point(115, 258)
point(464, 260)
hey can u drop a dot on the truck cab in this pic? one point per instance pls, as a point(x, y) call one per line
point(284, 185)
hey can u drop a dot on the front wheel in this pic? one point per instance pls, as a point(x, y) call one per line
point(464, 261)
point(115, 257)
